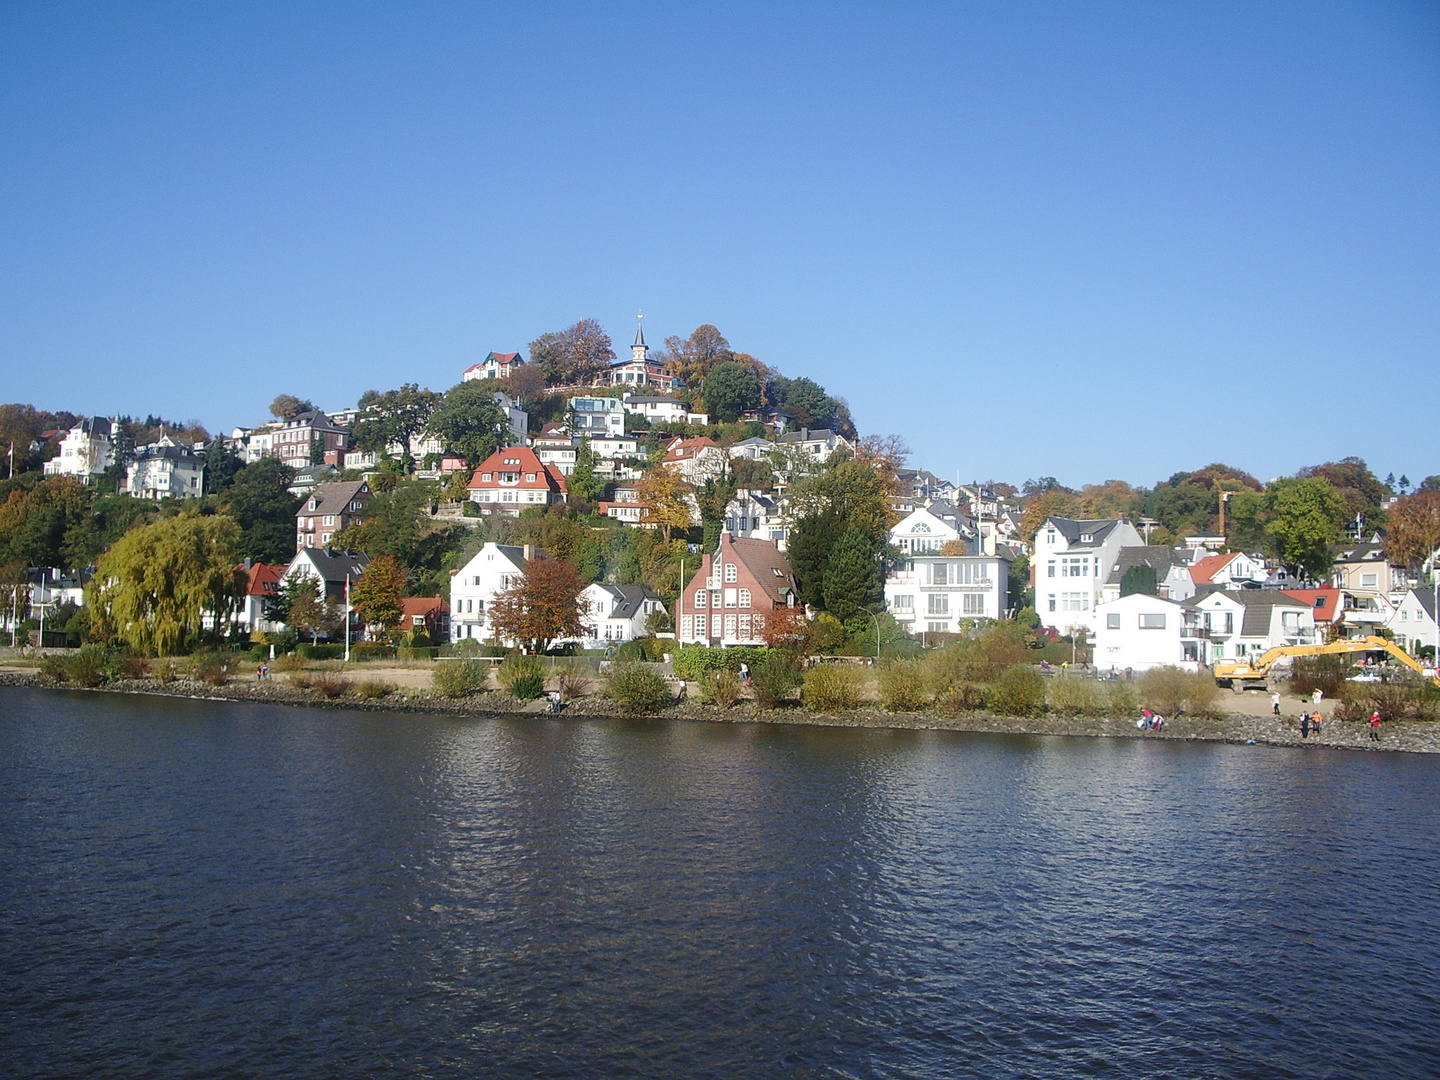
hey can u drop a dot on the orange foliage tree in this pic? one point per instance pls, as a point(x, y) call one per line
point(543, 606)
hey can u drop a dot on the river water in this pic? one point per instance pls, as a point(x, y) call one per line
point(220, 889)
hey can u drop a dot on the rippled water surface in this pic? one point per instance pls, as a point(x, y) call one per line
point(214, 889)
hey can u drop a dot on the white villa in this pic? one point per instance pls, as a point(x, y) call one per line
point(475, 585)
point(87, 450)
point(1072, 562)
point(163, 470)
point(932, 593)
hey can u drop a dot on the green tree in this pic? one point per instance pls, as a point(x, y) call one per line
point(38, 525)
point(1139, 579)
point(302, 608)
point(156, 584)
point(1304, 516)
point(573, 356)
point(807, 401)
point(713, 497)
point(470, 422)
point(393, 419)
point(1362, 490)
point(377, 596)
point(260, 502)
point(730, 389)
point(692, 358)
point(852, 575)
point(222, 465)
point(582, 483)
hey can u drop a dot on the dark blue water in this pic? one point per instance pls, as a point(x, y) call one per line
point(205, 889)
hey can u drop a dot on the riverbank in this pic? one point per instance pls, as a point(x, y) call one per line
point(1401, 736)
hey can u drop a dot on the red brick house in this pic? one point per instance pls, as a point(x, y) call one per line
point(428, 613)
point(514, 478)
point(727, 601)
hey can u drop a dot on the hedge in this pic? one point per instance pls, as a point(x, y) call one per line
point(692, 661)
point(320, 652)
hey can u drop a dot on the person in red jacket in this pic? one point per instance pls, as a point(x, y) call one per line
point(1375, 726)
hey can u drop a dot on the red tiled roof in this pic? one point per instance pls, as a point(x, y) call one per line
point(1203, 571)
point(688, 448)
point(1324, 603)
point(505, 357)
point(264, 579)
point(424, 606)
point(522, 460)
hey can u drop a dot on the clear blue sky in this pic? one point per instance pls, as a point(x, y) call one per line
point(1092, 241)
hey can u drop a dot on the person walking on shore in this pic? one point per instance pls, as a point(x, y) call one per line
point(1375, 726)
point(1305, 725)
point(1275, 703)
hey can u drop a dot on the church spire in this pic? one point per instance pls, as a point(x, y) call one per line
point(639, 350)
point(639, 328)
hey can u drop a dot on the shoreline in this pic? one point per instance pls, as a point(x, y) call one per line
point(1411, 736)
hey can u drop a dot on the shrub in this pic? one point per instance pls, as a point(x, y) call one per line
point(468, 647)
point(964, 697)
point(775, 679)
point(831, 688)
point(638, 689)
point(1201, 694)
point(720, 688)
point(1018, 691)
point(291, 661)
point(425, 653)
point(370, 689)
point(1405, 699)
point(330, 686)
point(1324, 673)
point(1121, 701)
point(134, 667)
point(903, 686)
point(1164, 689)
point(213, 667)
point(516, 666)
point(641, 650)
point(1072, 695)
point(692, 661)
point(56, 667)
point(320, 652)
point(528, 687)
point(302, 681)
point(456, 678)
point(573, 680)
point(371, 650)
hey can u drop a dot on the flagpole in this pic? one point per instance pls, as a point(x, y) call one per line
point(347, 618)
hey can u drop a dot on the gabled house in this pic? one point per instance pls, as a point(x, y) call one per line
point(756, 449)
point(333, 569)
point(1327, 607)
point(1230, 570)
point(308, 478)
point(696, 460)
point(165, 470)
point(819, 443)
point(1073, 560)
point(428, 613)
point(927, 529)
point(1363, 571)
point(595, 416)
point(1413, 624)
point(1241, 623)
point(516, 417)
point(754, 515)
point(1170, 565)
point(262, 589)
point(616, 613)
point(737, 587)
point(494, 366)
point(513, 478)
point(328, 509)
point(87, 450)
point(494, 568)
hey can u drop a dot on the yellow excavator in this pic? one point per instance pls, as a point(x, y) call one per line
point(1237, 673)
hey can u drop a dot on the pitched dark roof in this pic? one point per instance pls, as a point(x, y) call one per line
point(1258, 604)
point(1161, 559)
point(331, 498)
point(333, 566)
point(627, 600)
point(1074, 528)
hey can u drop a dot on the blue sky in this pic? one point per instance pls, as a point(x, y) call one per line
point(1091, 241)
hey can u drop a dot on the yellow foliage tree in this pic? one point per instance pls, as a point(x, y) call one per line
point(154, 587)
point(662, 493)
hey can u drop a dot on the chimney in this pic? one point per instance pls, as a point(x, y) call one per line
point(247, 562)
point(528, 552)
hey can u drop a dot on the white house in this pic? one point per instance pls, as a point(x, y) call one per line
point(819, 443)
point(596, 416)
point(475, 585)
point(640, 369)
point(1073, 559)
point(87, 450)
point(754, 515)
point(664, 410)
point(928, 529)
point(1242, 623)
point(933, 593)
point(616, 613)
point(1140, 631)
point(516, 417)
point(1171, 566)
point(1413, 622)
point(1229, 570)
point(696, 460)
point(494, 366)
point(756, 449)
point(165, 470)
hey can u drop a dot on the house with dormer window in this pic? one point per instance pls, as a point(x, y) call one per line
point(640, 370)
point(328, 509)
point(1073, 560)
point(514, 478)
point(496, 365)
point(737, 588)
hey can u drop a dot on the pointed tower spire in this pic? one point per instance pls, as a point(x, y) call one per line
point(639, 350)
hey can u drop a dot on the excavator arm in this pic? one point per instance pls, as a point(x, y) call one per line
point(1259, 668)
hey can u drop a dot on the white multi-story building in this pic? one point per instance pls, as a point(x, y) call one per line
point(596, 416)
point(1072, 562)
point(495, 568)
point(756, 516)
point(1243, 623)
point(661, 410)
point(933, 593)
point(1139, 631)
point(494, 366)
point(165, 470)
point(86, 451)
point(930, 528)
point(616, 613)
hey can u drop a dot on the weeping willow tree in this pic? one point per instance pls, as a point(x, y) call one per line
point(157, 584)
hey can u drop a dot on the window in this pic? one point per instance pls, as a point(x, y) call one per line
point(1369, 581)
point(973, 604)
point(744, 626)
point(1049, 567)
point(700, 626)
point(939, 574)
point(529, 477)
point(730, 626)
point(937, 627)
point(730, 598)
point(329, 519)
point(702, 598)
point(904, 603)
point(687, 626)
point(745, 598)
point(486, 476)
point(732, 572)
point(1051, 598)
point(1152, 622)
point(1112, 621)
point(1074, 601)
point(939, 604)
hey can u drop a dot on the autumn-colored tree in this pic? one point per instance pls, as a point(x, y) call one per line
point(788, 628)
point(1414, 529)
point(1054, 502)
point(662, 493)
point(574, 355)
point(692, 358)
point(376, 596)
point(288, 406)
point(302, 607)
point(157, 583)
point(1107, 500)
point(541, 607)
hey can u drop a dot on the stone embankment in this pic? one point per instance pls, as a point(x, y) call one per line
point(1408, 736)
